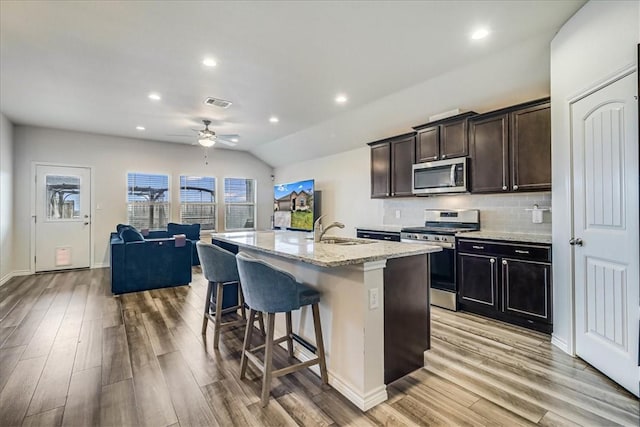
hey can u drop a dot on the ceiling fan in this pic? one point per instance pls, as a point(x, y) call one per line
point(207, 137)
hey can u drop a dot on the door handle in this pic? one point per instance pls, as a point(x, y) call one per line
point(453, 175)
point(575, 242)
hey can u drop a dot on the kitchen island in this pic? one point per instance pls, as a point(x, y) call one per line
point(374, 307)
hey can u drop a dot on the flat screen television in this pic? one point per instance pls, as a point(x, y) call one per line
point(294, 205)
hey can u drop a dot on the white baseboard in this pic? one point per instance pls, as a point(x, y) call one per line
point(100, 265)
point(560, 343)
point(363, 401)
point(17, 273)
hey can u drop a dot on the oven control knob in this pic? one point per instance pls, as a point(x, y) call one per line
point(436, 238)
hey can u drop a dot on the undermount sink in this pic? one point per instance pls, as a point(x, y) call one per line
point(346, 242)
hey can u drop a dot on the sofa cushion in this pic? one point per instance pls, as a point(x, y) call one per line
point(192, 231)
point(131, 234)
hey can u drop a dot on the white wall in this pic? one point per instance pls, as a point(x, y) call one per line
point(6, 199)
point(597, 41)
point(112, 158)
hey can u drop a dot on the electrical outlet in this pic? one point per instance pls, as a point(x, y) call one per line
point(374, 301)
point(397, 213)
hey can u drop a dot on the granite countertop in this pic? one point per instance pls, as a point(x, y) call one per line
point(383, 228)
point(504, 235)
point(300, 246)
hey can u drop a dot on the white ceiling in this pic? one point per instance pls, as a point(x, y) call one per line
point(89, 66)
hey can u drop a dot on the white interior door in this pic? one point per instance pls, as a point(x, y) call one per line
point(62, 229)
point(605, 162)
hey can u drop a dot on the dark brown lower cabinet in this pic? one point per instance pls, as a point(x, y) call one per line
point(506, 281)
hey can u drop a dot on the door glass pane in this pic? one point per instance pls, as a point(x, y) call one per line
point(63, 197)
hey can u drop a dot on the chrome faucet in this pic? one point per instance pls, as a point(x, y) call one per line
point(330, 226)
point(317, 229)
point(318, 232)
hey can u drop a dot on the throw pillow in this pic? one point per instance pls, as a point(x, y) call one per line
point(131, 234)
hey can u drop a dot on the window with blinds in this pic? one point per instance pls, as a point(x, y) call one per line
point(148, 200)
point(240, 203)
point(198, 201)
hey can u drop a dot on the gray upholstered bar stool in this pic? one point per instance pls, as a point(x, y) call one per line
point(271, 290)
point(220, 269)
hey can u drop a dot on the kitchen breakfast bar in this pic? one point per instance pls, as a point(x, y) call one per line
point(374, 307)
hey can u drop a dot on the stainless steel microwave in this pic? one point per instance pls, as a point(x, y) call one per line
point(441, 176)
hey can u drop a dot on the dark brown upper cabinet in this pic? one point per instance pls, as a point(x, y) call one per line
point(391, 163)
point(443, 139)
point(510, 149)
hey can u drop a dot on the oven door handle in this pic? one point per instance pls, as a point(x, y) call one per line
point(444, 245)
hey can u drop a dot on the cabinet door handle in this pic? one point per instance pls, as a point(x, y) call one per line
point(393, 194)
point(520, 251)
point(477, 247)
point(387, 194)
point(504, 262)
point(492, 260)
point(515, 187)
point(504, 187)
point(444, 156)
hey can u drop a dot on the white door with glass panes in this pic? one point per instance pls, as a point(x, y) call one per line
point(62, 218)
point(606, 252)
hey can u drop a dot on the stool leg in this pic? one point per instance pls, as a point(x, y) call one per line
point(218, 322)
point(319, 343)
point(261, 323)
point(207, 305)
point(243, 312)
point(268, 360)
point(246, 345)
point(289, 333)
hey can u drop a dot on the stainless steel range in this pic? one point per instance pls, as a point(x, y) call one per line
point(439, 229)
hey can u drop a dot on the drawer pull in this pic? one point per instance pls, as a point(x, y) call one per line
point(504, 262)
point(520, 251)
point(387, 238)
point(477, 247)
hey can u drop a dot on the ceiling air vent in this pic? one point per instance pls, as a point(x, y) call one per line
point(217, 102)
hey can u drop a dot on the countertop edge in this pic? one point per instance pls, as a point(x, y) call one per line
point(422, 250)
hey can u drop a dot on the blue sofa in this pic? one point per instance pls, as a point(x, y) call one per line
point(191, 231)
point(139, 264)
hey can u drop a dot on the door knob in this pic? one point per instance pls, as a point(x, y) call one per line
point(575, 242)
point(504, 262)
point(86, 223)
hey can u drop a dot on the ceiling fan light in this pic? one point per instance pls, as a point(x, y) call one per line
point(206, 142)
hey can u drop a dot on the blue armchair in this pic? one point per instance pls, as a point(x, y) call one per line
point(139, 264)
point(192, 231)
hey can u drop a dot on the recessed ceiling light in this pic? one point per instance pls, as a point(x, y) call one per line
point(480, 33)
point(341, 99)
point(140, 128)
point(209, 62)
point(274, 119)
point(154, 96)
point(234, 139)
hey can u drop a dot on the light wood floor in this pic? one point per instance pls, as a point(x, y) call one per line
point(72, 354)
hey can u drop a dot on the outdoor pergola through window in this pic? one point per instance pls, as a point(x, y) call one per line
point(198, 201)
point(148, 200)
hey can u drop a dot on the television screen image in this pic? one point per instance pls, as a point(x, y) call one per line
point(293, 205)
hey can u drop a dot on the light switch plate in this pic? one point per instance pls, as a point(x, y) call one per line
point(397, 213)
point(374, 299)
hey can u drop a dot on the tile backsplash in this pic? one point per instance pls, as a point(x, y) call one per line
point(498, 212)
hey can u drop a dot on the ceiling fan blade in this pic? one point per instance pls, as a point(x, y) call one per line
point(225, 142)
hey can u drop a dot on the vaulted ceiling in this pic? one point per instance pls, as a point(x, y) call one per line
point(90, 66)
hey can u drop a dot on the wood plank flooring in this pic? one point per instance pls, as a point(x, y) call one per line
point(72, 354)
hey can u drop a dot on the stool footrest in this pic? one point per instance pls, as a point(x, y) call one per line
point(261, 346)
point(295, 367)
point(230, 323)
point(306, 344)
